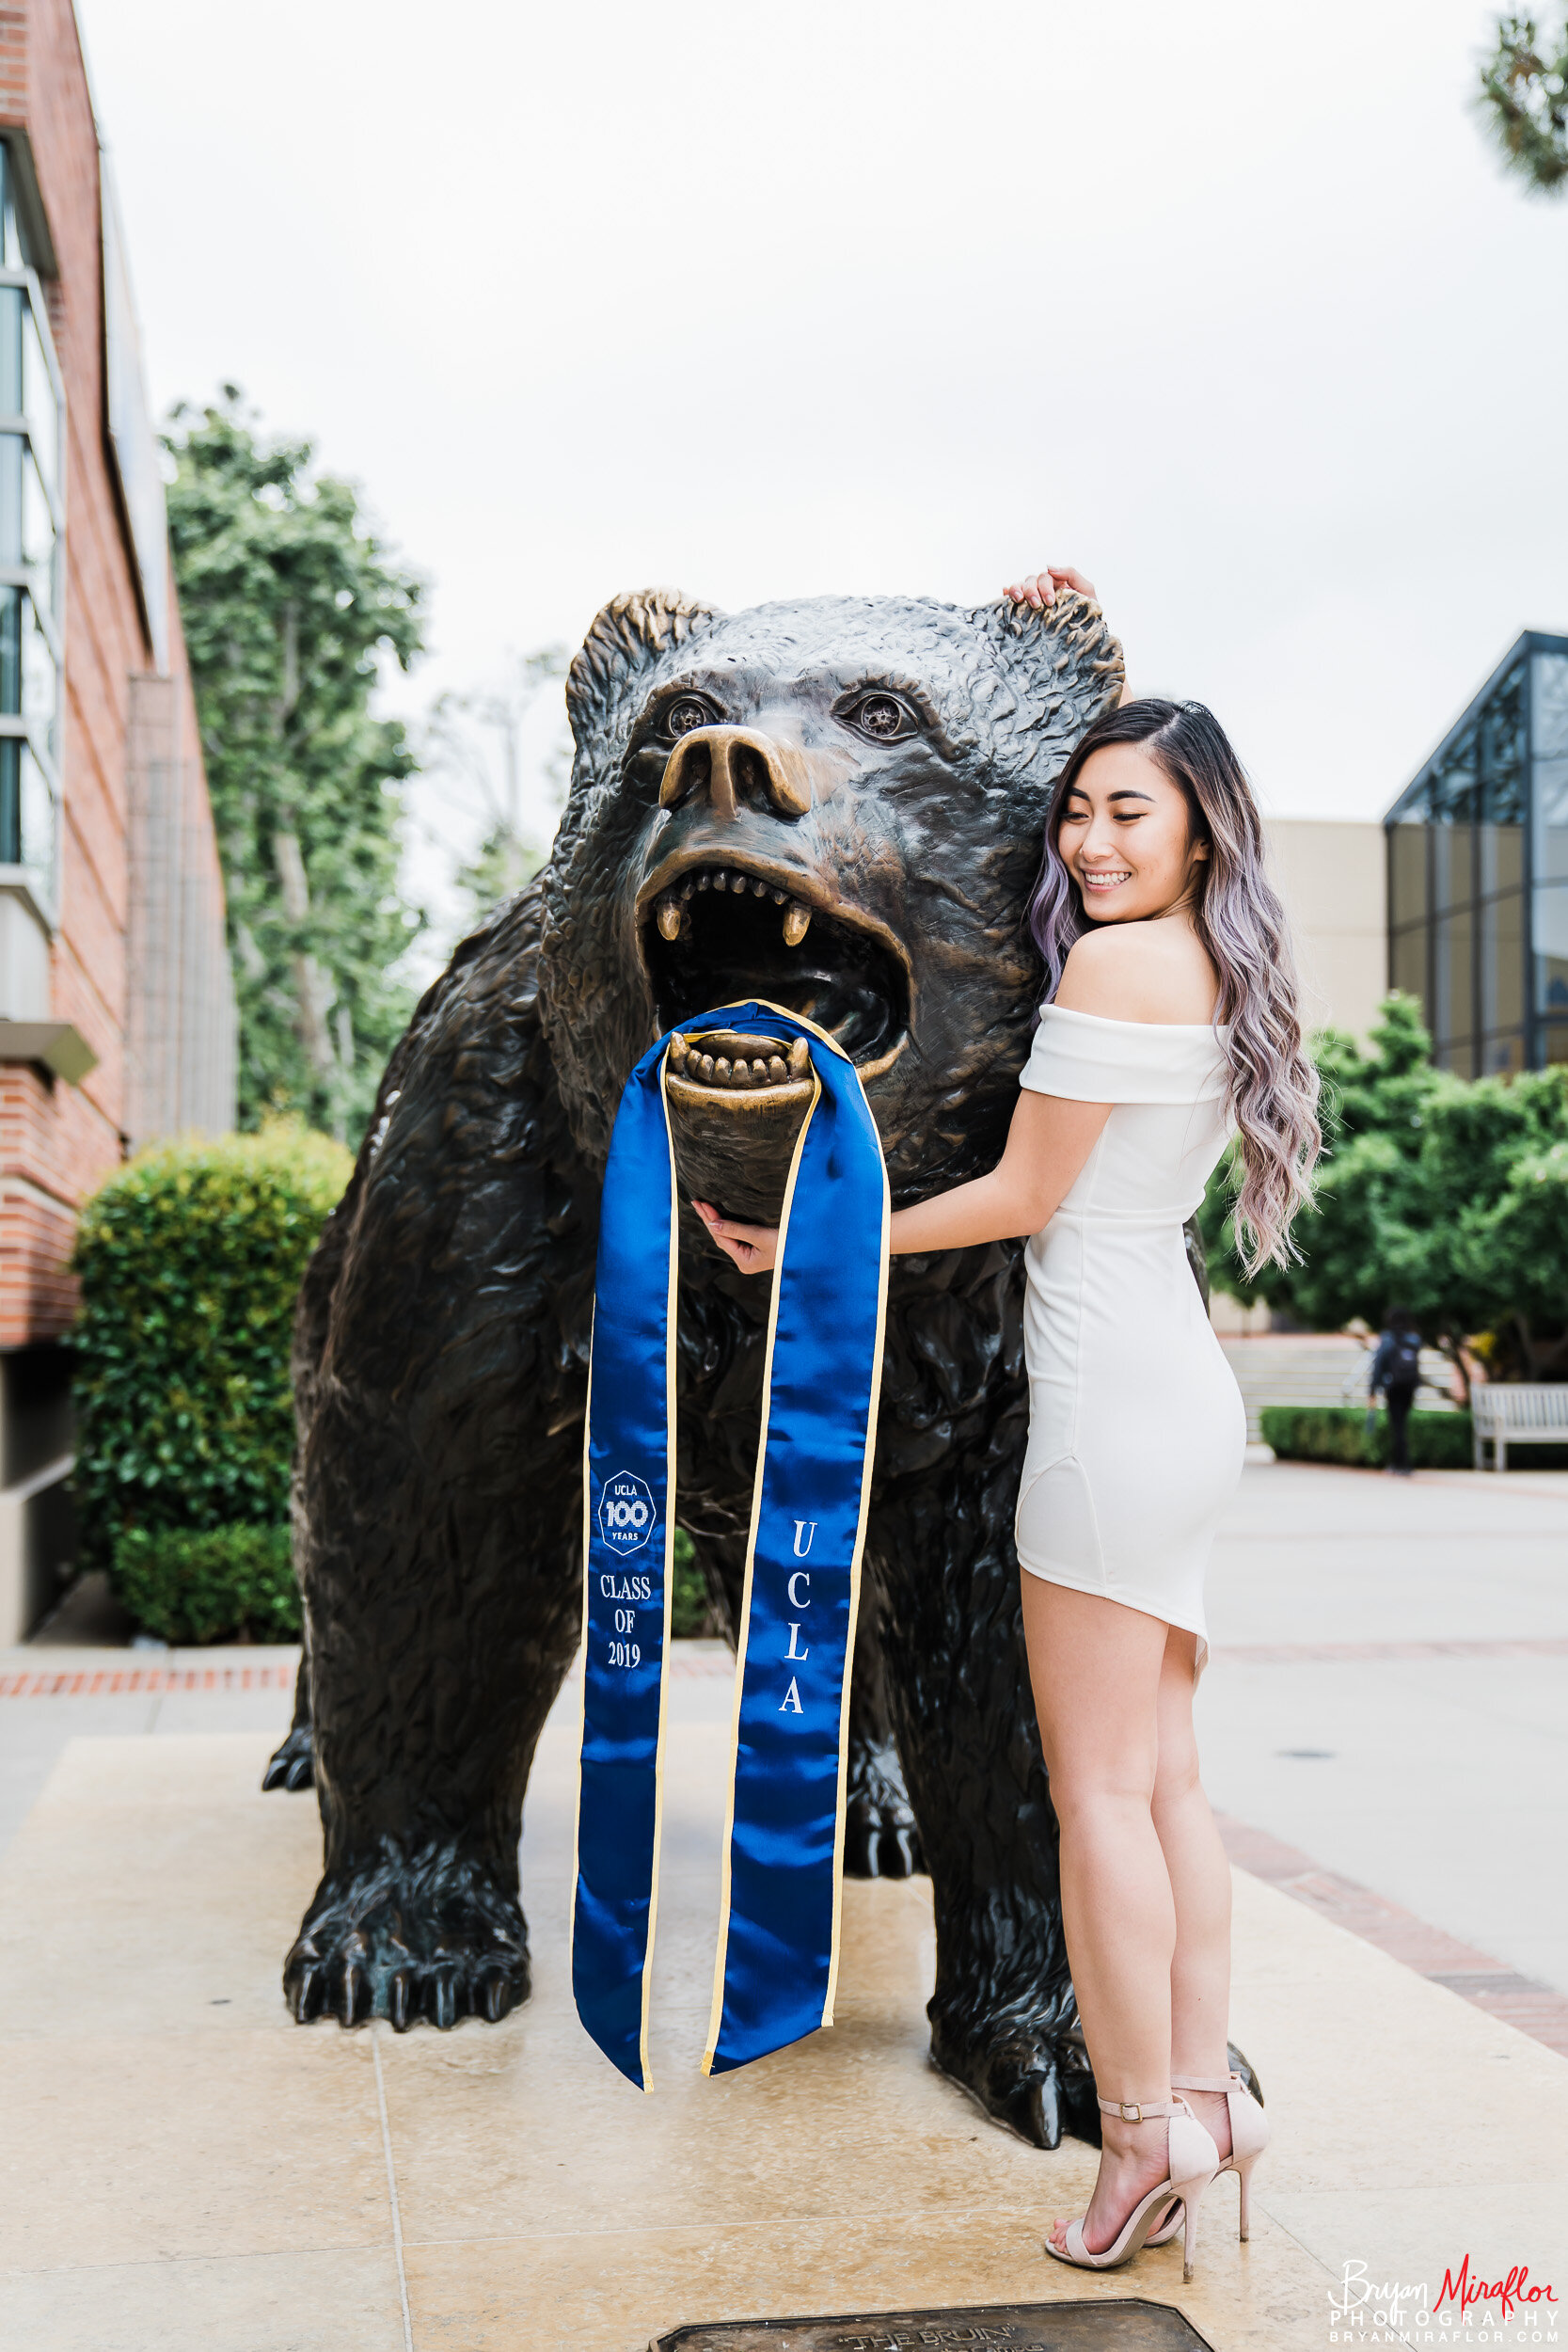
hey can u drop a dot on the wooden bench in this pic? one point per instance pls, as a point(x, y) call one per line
point(1510, 1415)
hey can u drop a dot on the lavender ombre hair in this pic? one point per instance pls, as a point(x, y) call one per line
point(1271, 1095)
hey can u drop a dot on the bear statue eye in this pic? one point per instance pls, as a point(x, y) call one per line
point(684, 715)
point(882, 716)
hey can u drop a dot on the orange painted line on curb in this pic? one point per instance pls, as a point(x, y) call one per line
point(145, 1682)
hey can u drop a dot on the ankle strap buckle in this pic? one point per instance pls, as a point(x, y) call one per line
point(1144, 2110)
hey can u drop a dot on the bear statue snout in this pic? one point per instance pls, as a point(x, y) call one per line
point(732, 767)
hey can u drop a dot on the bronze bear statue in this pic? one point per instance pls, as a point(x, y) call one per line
point(837, 805)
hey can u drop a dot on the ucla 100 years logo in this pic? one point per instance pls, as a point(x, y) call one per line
point(627, 1516)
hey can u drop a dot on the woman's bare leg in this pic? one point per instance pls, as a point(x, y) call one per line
point(1200, 1887)
point(1096, 1668)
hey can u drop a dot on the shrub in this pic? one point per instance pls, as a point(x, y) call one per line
point(190, 1258)
point(208, 1585)
point(1339, 1433)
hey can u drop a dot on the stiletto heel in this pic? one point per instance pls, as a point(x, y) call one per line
point(1189, 2241)
point(1192, 2161)
point(1249, 2137)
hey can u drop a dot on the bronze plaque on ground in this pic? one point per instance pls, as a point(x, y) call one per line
point(1128, 2326)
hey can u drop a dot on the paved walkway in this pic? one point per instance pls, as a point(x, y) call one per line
point(1388, 1698)
point(186, 2171)
point(1389, 1691)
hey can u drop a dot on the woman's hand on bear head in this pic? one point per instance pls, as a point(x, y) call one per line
point(1040, 588)
point(754, 1248)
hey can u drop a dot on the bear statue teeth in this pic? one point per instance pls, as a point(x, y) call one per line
point(674, 918)
point(723, 1069)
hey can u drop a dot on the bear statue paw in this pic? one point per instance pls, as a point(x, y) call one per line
point(292, 1765)
point(881, 1839)
point(1033, 2077)
point(405, 1941)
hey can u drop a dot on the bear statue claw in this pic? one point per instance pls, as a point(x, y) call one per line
point(1033, 2080)
point(880, 1838)
point(1038, 2083)
point(370, 1948)
point(293, 1764)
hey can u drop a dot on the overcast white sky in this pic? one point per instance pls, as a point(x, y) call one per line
point(1228, 304)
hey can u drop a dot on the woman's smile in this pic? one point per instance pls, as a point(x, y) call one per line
point(1118, 797)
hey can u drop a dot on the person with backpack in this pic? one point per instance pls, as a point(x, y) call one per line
point(1396, 1375)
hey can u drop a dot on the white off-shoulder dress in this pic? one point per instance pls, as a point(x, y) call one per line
point(1136, 1426)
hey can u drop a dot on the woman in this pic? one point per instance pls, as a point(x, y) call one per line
point(1169, 1026)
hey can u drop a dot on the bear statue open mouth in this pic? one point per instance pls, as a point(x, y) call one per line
point(719, 930)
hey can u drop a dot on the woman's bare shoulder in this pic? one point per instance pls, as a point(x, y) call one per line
point(1158, 972)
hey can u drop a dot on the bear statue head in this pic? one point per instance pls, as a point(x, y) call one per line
point(835, 805)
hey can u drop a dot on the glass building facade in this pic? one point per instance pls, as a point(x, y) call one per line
point(1477, 873)
point(31, 530)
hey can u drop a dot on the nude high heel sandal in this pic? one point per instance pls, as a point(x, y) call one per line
point(1249, 2137)
point(1191, 2162)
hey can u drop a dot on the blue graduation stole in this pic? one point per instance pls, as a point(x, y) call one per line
point(784, 1845)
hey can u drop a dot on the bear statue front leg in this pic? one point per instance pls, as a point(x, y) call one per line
point(437, 1935)
point(425, 1723)
point(440, 1372)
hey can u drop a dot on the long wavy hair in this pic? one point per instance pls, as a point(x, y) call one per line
point(1272, 1092)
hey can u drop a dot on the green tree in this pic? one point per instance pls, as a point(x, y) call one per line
point(290, 605)
point(1524, 100)
point(1446, 1196)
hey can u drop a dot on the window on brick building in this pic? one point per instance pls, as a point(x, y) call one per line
point(31, 523)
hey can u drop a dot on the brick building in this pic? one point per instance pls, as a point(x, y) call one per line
point(116, 998)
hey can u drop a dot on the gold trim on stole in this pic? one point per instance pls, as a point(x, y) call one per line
point(855, 1601)
point(582, 1657)
point(671, 1296)
point(716, 2011)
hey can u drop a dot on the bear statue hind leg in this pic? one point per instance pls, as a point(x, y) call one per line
point(433, 1936)
point(1003, 2020)
point(1028, 2072)
point(292, 1764)
point(1037, 2081)
point(881, 1839)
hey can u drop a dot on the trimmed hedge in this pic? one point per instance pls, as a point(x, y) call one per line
point(1339, 1433)
point(208, 1585)
point(190, 1258)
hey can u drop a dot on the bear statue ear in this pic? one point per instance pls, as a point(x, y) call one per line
point(628, 637)
point(1065, 667)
